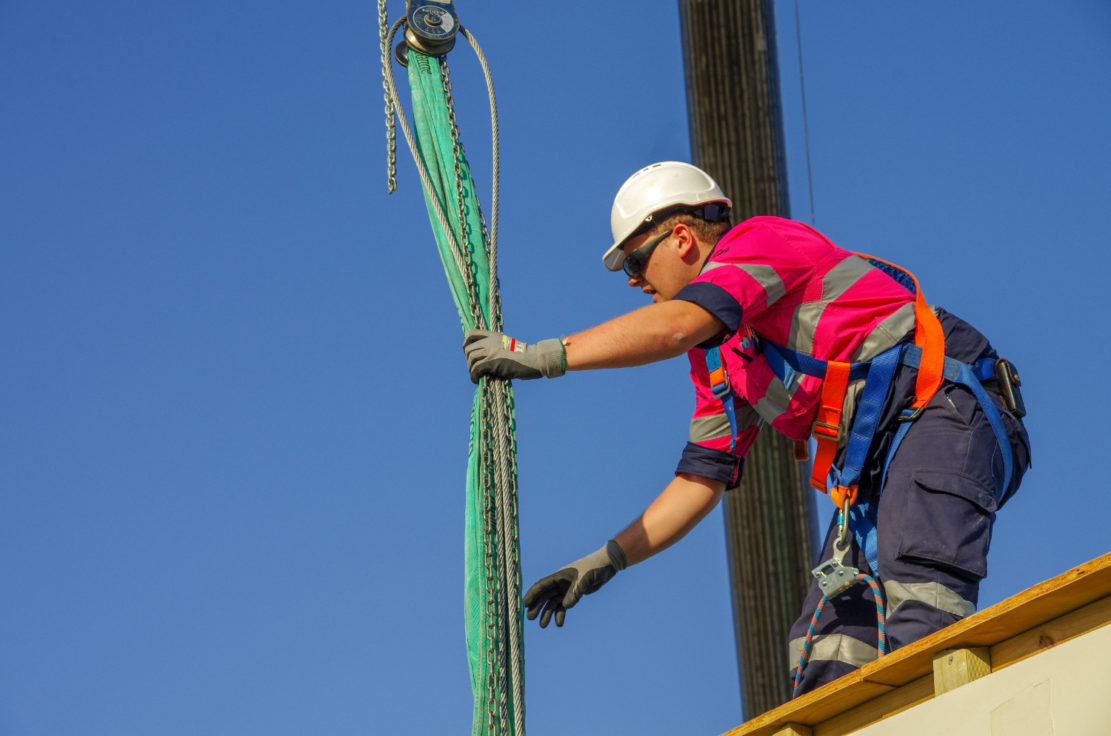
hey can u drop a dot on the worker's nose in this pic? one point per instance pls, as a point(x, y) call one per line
point(635, 282)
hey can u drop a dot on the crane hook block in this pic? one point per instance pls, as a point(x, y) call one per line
point(431, 26)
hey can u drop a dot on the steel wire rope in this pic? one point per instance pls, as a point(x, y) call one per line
point(505, 443)
point(426, 182)
point(495, 309)
point(507, 485)
point(508, 540)
point(497, 441)
point(805, 124)
point(491, 441)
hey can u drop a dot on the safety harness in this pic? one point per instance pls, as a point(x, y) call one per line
point(926, 355)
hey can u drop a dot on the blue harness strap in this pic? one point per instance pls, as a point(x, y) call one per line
point(723, 392)
point(878, 374)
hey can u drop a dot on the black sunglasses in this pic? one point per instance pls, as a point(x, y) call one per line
point(636, 261)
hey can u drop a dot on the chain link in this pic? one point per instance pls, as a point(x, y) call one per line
point(503, 527)
point(495, 604)
point(490, 555)
point(391, 128)
point(458, 161)
point(495, 661)
point(510, 546)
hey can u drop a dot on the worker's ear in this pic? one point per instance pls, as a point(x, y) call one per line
point(685, 243)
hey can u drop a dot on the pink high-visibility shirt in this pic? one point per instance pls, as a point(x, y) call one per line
point(784, 282)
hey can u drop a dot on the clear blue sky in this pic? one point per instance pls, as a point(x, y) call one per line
point(234, 406)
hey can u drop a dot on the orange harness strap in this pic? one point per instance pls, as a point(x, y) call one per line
point(827, 423)
point(928, 335)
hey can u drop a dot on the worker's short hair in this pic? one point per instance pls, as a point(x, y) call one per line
point(707, 232)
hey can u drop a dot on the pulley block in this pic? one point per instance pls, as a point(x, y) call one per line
point(430, 28)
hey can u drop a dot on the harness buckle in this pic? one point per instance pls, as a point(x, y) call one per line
point(719, 383)
point(826, 430)
point(909, 415)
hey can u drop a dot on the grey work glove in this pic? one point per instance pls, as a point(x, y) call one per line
point(498, 355)
point(563, 589)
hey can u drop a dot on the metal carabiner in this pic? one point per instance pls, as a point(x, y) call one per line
point(841, 544)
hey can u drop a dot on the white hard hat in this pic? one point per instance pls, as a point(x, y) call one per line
point(661, 188)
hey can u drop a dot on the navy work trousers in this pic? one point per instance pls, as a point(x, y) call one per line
point(934, 524)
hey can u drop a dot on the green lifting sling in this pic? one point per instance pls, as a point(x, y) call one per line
point(492, 588)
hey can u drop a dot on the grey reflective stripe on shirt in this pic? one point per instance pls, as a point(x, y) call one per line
point(775, 400)
point(717, 426)
point(887, 333)
point(934, 595)
point(848, 410)
point(838, 280)
point(764, 275)
point(835, 647)
point(712, 427)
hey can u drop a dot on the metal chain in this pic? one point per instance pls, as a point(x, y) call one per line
point(391, 129)
point(498, 535)
point(503, 486)
point(489, 524)
point(461, 259)
point(503, 446)
point(459, 158)
point(490, 542)
point(510, 542)
point(425, 179)
point(495, 657)
point(491, 237)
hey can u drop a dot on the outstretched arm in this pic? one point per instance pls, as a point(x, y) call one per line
point(652, 333)
point(683, 503)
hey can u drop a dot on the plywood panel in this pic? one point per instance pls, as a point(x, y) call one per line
point(1056, 610)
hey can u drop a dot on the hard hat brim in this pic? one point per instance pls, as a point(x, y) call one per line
point(614, 257)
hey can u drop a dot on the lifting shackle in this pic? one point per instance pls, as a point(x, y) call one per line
point(430, 28)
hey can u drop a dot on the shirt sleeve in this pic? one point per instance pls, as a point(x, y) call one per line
point(749, 270)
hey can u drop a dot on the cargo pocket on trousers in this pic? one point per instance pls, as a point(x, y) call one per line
point(947, 522)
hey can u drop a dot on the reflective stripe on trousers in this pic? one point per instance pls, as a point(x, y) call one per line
point(934, 526)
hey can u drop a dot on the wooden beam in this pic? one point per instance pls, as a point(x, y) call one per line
point(956, 667)
point(1051, 633)
point(1067, 606)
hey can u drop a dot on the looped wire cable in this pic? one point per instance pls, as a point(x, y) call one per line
point(425, 179)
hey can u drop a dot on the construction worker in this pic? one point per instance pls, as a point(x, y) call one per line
point(783, 328)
